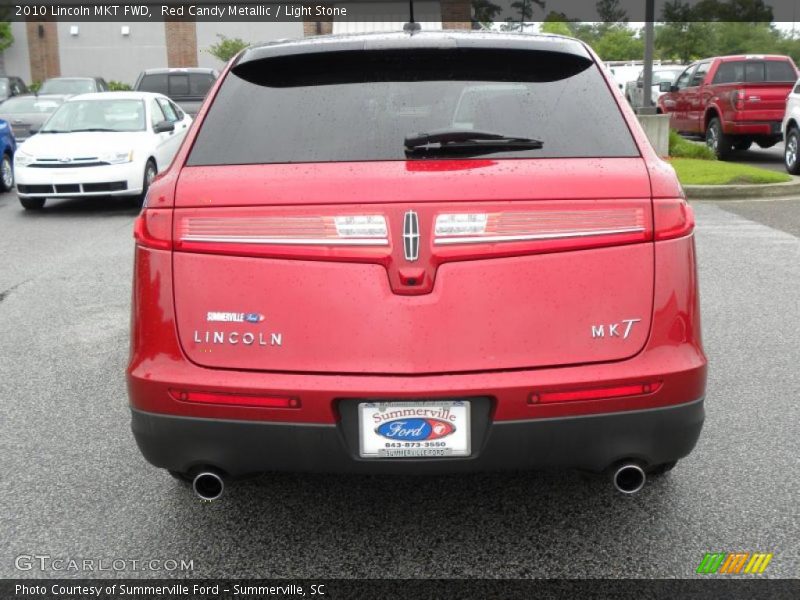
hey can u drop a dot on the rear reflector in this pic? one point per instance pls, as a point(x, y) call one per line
point(236, 399)
point(353, 230)
point(153, 228)
point(673, 218)
point(619, 391)
point(472, 228)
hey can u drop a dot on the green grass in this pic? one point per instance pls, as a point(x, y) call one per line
point(683, 148)
point(693, 171)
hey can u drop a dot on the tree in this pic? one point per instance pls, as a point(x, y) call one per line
point(556, 27)
point(619, 43)
point(485, 11)
point(226, 48)
point(6, 39)
point(610, 11)
point(682, 37)
point(525, 10)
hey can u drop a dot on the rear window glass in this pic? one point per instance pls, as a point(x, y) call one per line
point(68, 86)
point(755, 71)
point(177, 84)
point(334, 107)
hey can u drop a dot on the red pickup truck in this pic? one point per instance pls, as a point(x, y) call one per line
point(731, 100)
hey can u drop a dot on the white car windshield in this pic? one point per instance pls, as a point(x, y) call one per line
point(97, 115)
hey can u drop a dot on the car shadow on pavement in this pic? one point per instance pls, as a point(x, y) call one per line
point(513, 524)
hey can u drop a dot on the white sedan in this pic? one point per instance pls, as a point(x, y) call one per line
point(103, 144)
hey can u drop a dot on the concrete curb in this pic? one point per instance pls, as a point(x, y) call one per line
point(745, 191)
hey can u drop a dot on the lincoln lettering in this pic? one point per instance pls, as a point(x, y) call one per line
point(233, 338)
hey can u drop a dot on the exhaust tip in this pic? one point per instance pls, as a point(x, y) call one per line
point(629, 478)
point(208, 486)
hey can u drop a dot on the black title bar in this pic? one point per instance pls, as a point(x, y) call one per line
point(478, 12)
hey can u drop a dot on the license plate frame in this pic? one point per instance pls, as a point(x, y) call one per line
point(408, 429)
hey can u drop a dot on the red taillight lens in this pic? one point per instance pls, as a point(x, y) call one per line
point(600, 393)
point(673, 218)
point(737, 99)
point(235, 399)
point(153, 228)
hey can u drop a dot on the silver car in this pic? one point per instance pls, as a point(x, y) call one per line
point(26, 114)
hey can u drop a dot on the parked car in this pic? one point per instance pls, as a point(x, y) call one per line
point(732, 100)
point(8, 146)
point(624, 74)
point(27, 114)
point(186, 87)
point(105, 144)
point(350, 267)
point(11, 86)
point(70, 86)
point(662, 74)
point(791, 131)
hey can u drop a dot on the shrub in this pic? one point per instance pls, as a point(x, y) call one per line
point(683, 148)
point(118, 86)
point(227, 48)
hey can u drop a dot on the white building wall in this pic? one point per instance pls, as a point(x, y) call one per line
point(16, 56)
point(102, 50)
point(252, 33)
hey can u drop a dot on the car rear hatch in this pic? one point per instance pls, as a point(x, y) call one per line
point(310, 237)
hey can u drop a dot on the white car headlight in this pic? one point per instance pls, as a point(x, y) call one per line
point(117, 158)
point(22, 159)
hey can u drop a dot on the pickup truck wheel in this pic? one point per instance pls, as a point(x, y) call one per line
point(719, 143)
point(791, 150)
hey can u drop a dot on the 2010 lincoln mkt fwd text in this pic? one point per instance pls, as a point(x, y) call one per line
point(411, 254)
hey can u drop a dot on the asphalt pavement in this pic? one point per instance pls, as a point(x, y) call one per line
point(74, 485)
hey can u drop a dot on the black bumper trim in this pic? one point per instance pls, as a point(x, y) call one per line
point(592, 442)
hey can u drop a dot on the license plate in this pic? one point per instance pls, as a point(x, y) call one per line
point(414, 429)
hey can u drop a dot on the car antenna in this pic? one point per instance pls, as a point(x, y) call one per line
point(412, 26)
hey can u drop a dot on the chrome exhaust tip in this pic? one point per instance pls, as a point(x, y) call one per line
point(208, 486)
point(629, 478)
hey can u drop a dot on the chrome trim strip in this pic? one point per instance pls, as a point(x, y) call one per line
point(533, 236)
point(287, 241)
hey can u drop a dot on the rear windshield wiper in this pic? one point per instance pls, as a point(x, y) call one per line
point(468, 140)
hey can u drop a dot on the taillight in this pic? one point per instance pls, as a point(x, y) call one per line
point(672, 217)
point(345, 230)
point(737, 99)
point(535, 225)
point(235, 399)
point(153, 228)
point(594, 393)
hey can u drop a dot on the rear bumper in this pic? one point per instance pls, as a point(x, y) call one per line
point(592, 442)
point(766, 128)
